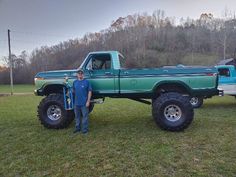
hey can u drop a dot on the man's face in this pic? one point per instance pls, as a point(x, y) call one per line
point(80, 75)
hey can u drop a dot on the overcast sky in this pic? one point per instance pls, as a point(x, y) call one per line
point(46, 22)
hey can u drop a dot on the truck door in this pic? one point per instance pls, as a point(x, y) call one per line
point(100, 73)
point(227, 81)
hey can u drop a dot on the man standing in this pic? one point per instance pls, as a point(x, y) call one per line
point(83, 91)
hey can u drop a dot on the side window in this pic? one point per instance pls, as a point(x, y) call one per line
point(122, 61)
point(224, 72)
point(99, 62)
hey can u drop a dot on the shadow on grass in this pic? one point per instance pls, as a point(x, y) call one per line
point(219, 105)
point(144, 122)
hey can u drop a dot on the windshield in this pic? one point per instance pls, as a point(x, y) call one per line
point(82, 64)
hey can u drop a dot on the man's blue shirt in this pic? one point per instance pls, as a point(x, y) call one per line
point(81, 89)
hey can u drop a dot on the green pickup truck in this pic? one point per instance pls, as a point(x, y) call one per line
point(168, 90)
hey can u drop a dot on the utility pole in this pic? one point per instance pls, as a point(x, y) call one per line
point(10, 60)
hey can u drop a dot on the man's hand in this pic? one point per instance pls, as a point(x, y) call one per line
point(87, 103)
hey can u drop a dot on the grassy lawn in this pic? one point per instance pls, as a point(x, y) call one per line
point(17, 88)
point(123, 141)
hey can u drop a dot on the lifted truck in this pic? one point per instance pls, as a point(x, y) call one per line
point(169, 89)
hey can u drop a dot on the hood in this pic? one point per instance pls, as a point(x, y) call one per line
point(57, 74)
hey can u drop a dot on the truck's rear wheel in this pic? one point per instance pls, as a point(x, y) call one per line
point(172, 112)
point(52, 114)
point(196, 102)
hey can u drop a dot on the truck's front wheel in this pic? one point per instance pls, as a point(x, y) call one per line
point(172, 111)
point(52, 114)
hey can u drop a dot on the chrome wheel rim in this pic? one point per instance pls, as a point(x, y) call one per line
point(194, 100)
point(54, 112)
point(172, 113)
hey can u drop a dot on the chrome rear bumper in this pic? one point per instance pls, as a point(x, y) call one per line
point(221, 92)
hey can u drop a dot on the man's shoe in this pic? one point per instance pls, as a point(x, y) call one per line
point(85, 132)
point(76, 131)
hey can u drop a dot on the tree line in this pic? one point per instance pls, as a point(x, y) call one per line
point(145, 41)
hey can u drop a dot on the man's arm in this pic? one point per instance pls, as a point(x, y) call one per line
point(89, 98)
point(73, 88)
point(89, 94)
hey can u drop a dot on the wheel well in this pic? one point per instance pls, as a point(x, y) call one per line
point(55, 88)
point(171, 87)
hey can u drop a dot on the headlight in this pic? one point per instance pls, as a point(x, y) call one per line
point(38, 78)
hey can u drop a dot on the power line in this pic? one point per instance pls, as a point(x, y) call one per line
point(30, 43)
point(40, 34)
point(25, 41)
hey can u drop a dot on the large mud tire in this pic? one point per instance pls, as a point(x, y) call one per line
point(172, 111)
point(51, 112)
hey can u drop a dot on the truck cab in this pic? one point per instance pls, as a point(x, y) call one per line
point(102, 70)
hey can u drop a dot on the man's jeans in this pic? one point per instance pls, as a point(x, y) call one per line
point(84, 111)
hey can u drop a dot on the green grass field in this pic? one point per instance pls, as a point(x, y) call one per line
point(123, 141)
point(17, 89)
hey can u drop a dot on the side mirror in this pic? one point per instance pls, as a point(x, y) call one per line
point(90, 69)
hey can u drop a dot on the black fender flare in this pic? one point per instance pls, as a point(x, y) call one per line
point(179, 84)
